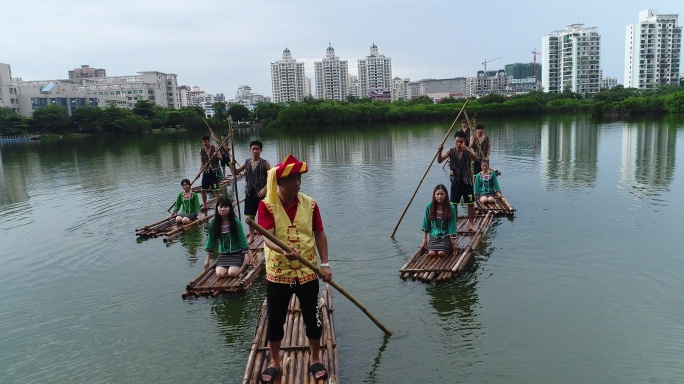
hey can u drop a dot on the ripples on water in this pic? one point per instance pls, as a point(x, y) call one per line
point(581, 286)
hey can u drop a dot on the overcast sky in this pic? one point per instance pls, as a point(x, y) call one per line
point(221, 44)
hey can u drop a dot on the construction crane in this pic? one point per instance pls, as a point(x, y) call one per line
point(484, 63)
point(534, 69)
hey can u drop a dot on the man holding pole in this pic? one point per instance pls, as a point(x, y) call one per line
point(294, 218)
point(256, 171)
point(209, 168)
point(225, 155)
point(460, 161)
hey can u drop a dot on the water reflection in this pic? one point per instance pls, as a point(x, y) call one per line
point(356, 148)
point(569, 152)
point(192, 241)
point(231, 313)
point(371, 376)
point(648, 158)
point(13, 165)
point(301, 147)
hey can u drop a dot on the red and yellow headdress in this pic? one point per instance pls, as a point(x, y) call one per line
point(289, 166)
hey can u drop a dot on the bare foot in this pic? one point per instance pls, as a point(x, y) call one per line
point(472, 228)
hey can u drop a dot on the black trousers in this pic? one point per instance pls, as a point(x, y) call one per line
point(278, 297)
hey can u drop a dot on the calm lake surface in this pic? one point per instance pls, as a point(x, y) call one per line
point(583, 285)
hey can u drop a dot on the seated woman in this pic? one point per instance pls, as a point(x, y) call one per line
point(187, 204)
point(232, 243)
point(486, 184)
point(439, 225)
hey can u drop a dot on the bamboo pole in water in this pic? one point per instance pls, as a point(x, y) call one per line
point(232, 168)
point(428, 168)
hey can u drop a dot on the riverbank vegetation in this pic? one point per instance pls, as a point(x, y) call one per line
point(144, 117)
point(617, 102)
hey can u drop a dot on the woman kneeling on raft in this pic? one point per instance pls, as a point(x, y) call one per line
point(187, 204)
point(439, 225)
point(232, 243)
point(486, 185)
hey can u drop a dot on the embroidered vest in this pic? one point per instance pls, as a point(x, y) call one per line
point(298, 235)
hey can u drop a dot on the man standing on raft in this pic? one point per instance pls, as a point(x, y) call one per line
point(294, 218)
point(460, 161)
point(256, 172)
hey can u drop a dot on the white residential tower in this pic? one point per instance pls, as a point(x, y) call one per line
point(571, 60)
point(652, 50)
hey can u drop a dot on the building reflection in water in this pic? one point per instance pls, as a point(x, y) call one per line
point(301, 147)
point(569, 153)
point(648, 158)
point(14, 162)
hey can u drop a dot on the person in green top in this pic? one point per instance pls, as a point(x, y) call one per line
point(486, 184)
point(187, 204)
point(225, 231)
point(439, 225)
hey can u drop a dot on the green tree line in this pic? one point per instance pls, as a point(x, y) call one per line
point(614, 102)
point(144, 116)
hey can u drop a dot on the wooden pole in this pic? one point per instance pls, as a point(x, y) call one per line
point(232, 168)
point(428, 168)
point(306, 262)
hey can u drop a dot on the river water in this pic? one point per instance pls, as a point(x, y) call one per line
point(583, 285)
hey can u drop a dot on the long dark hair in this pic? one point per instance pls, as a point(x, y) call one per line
point(446, 209)
point(218, 220)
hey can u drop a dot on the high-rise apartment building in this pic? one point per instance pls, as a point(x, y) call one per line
point(331, 75)
point(246, 97)
point(184, 99)
point(523, 70)
point(287, 79)
point(375, 72)
point(307, 86)
point(400, 88)
point(652, 50)
point(353, 87)
point(571, 60)
point(85, 72)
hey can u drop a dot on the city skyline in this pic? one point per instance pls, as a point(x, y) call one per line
point(205, 45)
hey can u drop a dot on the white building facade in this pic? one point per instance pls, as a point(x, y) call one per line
point(8, 92)
point(652, 50)
point(287, 79)
point(246, 97)
point(353, 87)
point(122, 91)
point(400, 88)
point(375, 72)
point(483, 85)
point(450, 87)
point(331, 76)
point(571, 60)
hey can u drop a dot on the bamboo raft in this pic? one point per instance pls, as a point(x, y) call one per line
point(168, 227)
point(501, 207)
point(223, 183)
point(295, 346)
point(208, 284)
point(439, 269)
